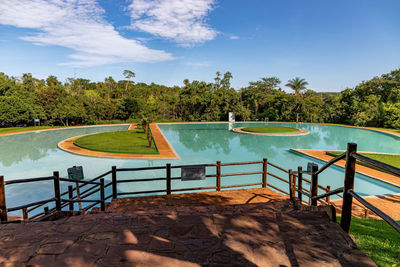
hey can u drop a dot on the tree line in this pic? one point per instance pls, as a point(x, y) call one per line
point(375, 102)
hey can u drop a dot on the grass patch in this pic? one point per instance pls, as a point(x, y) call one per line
point(377, 239)
point(270, 129)
point(127, 142)
point(25, 129)
point(393, 160)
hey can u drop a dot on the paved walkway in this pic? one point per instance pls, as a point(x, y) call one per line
point(269, 233)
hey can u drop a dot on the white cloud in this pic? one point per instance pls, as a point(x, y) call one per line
point(78, 25)
point(183, 21)
point(234, 37)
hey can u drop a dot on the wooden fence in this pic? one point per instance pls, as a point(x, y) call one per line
point(294, 180)
point(66, 200)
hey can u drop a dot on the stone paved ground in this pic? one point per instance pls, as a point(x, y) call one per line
point(267, 233)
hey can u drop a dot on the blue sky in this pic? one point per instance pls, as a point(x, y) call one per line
point(332, 44)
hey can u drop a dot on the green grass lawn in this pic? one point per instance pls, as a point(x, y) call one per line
point(270, 129)
point(24, 129)
point(377, 239)
point(393, 160)
point(128, 142)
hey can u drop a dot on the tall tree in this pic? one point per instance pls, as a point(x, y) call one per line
point(128, 75)
point(297, 84)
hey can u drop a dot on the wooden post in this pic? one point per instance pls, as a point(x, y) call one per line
point(218, 175)
point(300, 181)
point(102, 196)
point(291, 189)
point(57, 196)
point(70, 196)
point(168, 169)
point(78, 195)
point(348, 185)
point(366, 213)
point(3, 206)
point(314, 185)
point(264, 178)
point(25, 213)
point(46, 210)
point(328, 198)
point(114, 182)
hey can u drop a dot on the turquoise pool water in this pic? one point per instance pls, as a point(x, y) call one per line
point(36, 154)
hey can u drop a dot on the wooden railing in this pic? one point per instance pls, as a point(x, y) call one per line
point(294, 180)
point(67, 199)
point(59, 201)
point(218, 176)
point(348, 189)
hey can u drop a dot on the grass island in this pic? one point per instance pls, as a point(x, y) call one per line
point(125, 142)
point(270, 129)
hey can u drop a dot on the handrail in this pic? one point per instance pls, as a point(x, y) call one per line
point(378, 164)
point(91, 186)
point(79, 200)
point(333, 192)
point(74, 189)
point(193, 165)
point(332, 161)
point(239, 173)
point(30, 204)
point(140, 169)
point(241, 163)
point(277, 167)
point(78, 181)
point(28, 180)
point(377, 211)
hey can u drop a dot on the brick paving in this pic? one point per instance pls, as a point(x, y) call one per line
point(206, 230)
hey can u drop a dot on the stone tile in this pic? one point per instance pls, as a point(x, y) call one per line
point(42, 260)
point(264, 233)
point(54, 248)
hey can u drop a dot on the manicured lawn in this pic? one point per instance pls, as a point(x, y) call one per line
point(387, 129)
point(24, 129)
point(128, 142)
point(377, 239)
point(393, 160)
point(268, 129)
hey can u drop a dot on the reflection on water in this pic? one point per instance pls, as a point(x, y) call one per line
point(36, 145)
point(36, 154)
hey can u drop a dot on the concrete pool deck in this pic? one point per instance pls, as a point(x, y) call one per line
point(164, 148)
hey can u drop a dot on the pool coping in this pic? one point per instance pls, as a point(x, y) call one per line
point(165, 149)
point(371, 173)
point(299, 133)
point(63, 128)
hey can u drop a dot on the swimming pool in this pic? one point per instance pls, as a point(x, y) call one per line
point(36, 154)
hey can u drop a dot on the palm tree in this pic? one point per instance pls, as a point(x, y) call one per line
point(297, 84)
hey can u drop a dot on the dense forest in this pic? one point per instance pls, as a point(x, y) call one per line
point(79, 101)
